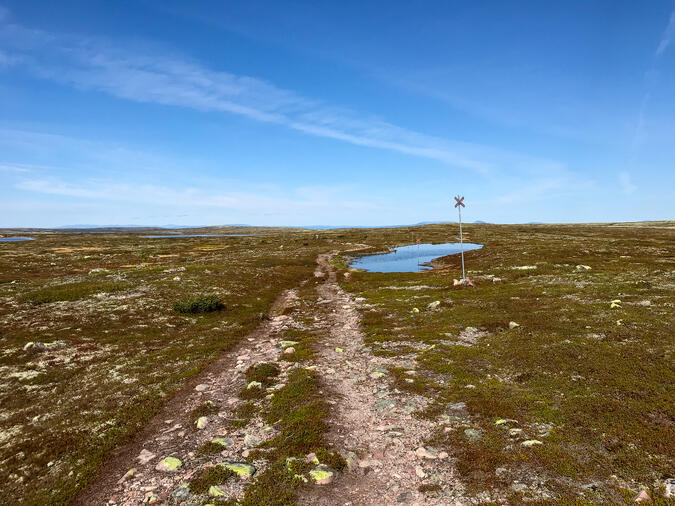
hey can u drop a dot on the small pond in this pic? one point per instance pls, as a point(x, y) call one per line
point(408, 258)
point(15, 239)
point(181, 236)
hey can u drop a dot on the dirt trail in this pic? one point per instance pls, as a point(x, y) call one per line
point(372, 419)
point(370, 423)
point(173, 432)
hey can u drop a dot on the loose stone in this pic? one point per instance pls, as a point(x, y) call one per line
point(321, 475)
point(169, 464)
point(145, 456)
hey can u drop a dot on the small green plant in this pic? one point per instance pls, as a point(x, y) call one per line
point(263, 372)
point(201, 304)
point(210, 447)
point(204, 409)
point(208, 477)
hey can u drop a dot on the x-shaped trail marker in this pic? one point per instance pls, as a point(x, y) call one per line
point(459, 202)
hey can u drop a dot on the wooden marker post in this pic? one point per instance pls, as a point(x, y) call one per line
point(459, 205)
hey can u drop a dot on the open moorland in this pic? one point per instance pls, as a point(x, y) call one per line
point(261, 369)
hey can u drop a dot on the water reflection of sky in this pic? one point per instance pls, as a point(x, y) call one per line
point(408, 258)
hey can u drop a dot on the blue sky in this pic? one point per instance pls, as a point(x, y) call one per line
point(361, 113)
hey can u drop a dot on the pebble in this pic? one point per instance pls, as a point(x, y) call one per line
point(643, 496)
point(181, 493)
point(202, 387)
point(250, 440)
point(145, 456)
point(420, 472)
point(426, 453)
point(127, 475)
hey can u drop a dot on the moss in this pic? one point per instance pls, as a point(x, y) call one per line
point(299, 413)
point(331, 458)
point(211, 447)
point(243, 414)
point(263, 372)
point(71, 291)
point(429, 488)
point(204, 409)
point(207, 477)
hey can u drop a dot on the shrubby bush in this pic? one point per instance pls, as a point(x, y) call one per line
point(201, 304)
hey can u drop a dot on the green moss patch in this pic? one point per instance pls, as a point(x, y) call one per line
point(71, 291)
point(207, 477)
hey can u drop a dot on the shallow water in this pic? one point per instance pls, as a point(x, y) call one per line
point(180, 236)
point(408, 258)
point(15, 239)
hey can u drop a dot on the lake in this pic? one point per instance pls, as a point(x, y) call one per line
point(408, 258)
point(15, 239)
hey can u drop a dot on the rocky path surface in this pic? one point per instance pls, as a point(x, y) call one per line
point(370, 424)
point(163, 457)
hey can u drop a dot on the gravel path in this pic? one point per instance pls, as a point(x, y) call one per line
point(371, 419)
point(370, 424)
point(174, 433)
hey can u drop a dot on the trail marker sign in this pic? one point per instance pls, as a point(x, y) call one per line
point(459, 205)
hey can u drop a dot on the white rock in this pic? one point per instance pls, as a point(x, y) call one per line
point(145, 456)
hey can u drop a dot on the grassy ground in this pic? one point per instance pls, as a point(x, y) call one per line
point(591, 383)
point(578, 400)
point(116, 345)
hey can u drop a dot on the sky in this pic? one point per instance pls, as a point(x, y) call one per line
point(163, 112)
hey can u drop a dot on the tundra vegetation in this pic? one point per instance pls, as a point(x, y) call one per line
point(554, 373)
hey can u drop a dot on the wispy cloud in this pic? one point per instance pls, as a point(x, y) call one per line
point(667, 37)
point(152, 75)
point(15, 168)
point(640, 133)
point(260, 201)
